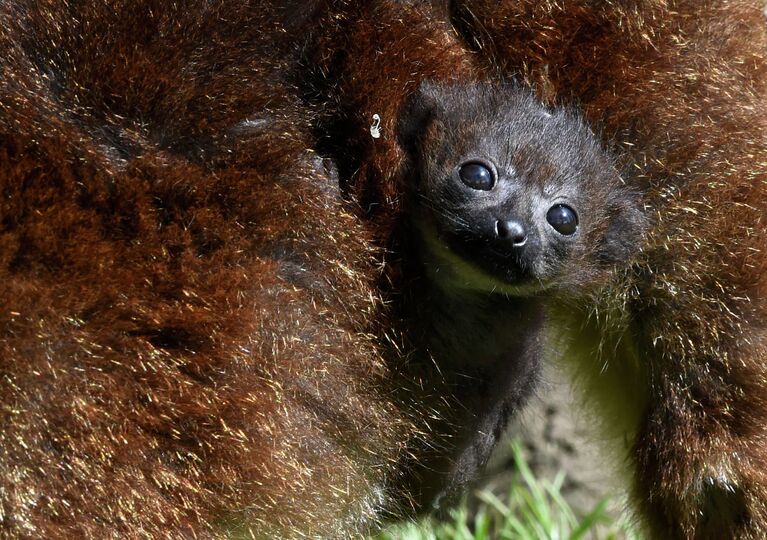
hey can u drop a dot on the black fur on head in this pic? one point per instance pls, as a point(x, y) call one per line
point(511, 196)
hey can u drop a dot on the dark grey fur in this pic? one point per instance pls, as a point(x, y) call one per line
point(483, 298)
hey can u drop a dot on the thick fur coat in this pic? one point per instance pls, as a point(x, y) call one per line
point(201, 329)
point(187, 301)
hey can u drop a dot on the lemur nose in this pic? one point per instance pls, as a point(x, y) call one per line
point(512, 231)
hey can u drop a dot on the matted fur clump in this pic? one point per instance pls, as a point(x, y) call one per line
point(208, 321)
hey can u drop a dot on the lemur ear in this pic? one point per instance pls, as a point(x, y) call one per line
point(416, 115)
point(624, 236)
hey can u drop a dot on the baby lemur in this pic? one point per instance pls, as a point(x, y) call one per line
point(510, 204)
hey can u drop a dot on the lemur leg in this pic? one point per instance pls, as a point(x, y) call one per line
point(700, 453)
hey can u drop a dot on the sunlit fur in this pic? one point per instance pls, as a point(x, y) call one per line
point(200, 330)
point(198, 335)
point(189, 308)
point(683, 86)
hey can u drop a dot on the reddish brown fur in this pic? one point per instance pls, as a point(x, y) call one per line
point(188, 304)
point(368, 61)
point(192, 333)
point(684, 85)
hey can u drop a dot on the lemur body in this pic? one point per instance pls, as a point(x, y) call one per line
point(188, 304)
point(200, 352)
point(508, 204)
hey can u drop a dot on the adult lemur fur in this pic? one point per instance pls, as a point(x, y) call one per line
point(194, 334)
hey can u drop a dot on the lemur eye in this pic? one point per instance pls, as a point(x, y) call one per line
point(477, 175)
point(563, 219)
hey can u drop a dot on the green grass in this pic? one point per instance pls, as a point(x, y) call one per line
point(532, 509)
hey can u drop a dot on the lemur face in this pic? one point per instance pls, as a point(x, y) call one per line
point(503, 223)
point(512, 197)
